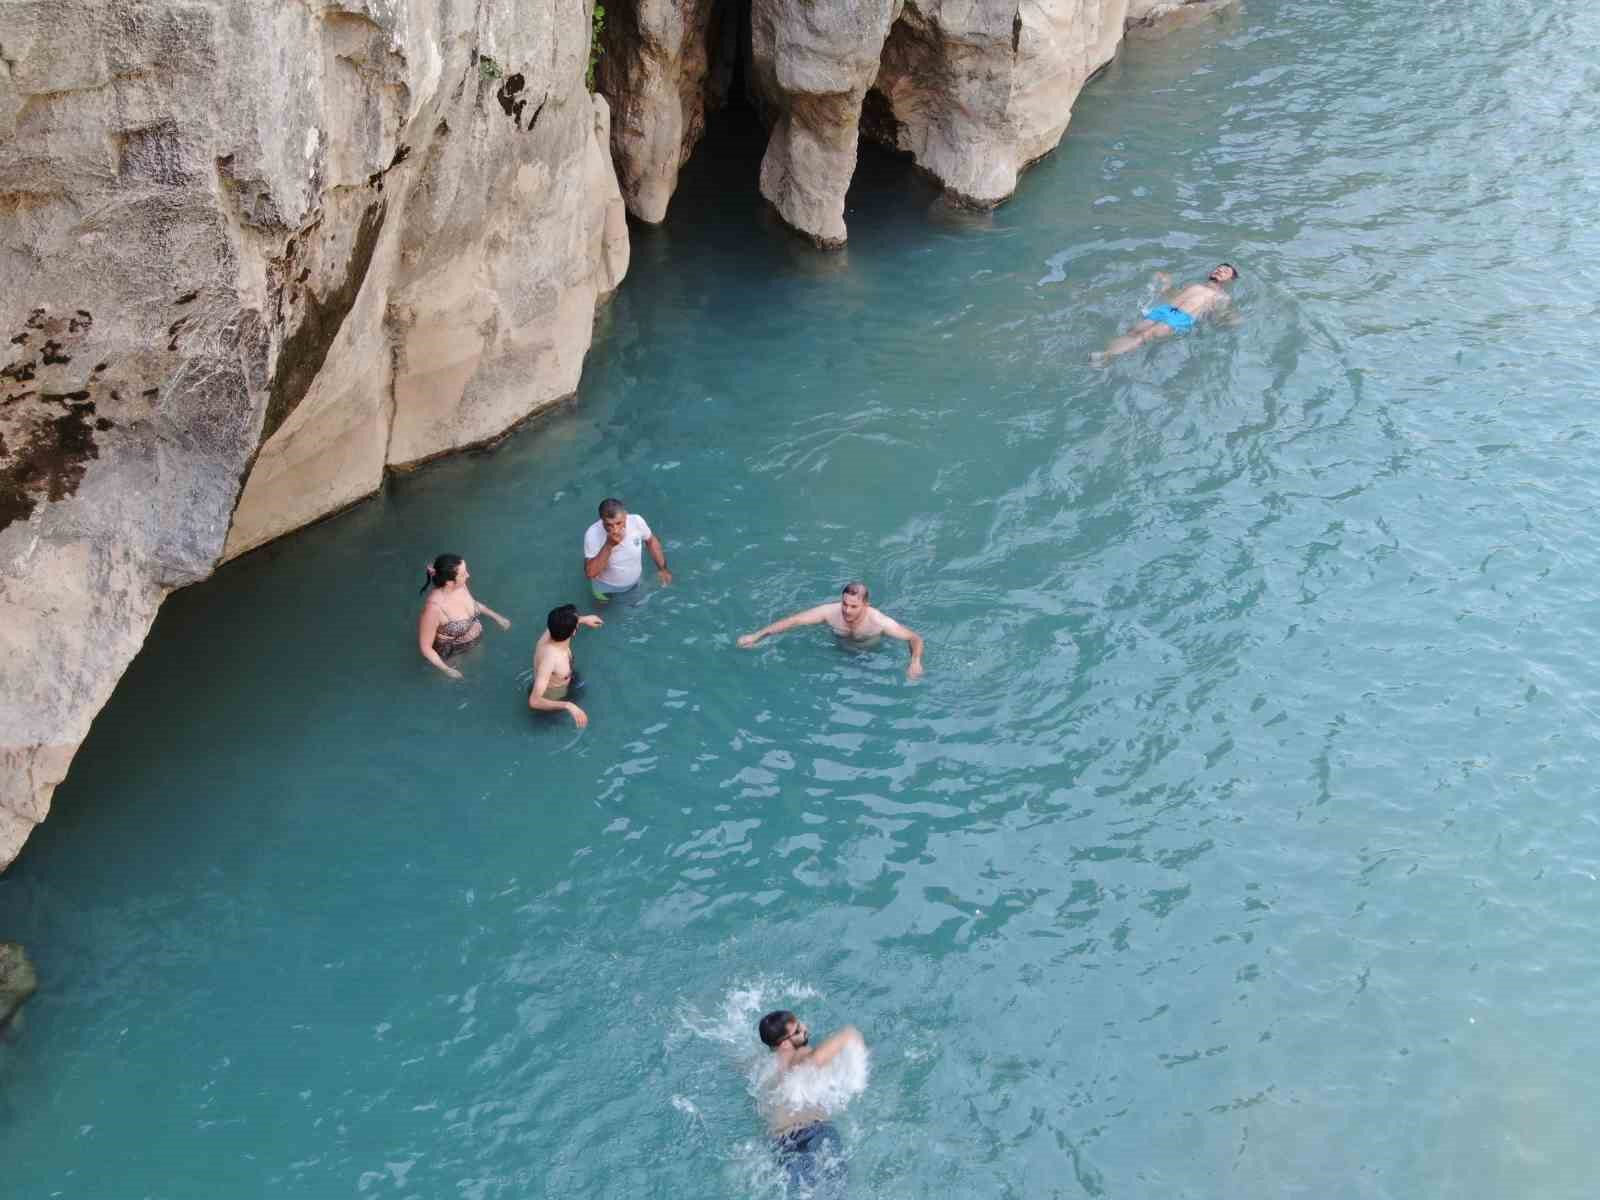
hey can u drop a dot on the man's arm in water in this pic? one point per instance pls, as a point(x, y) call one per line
point(829, 1050)
point(811, 616)
point(653, 544)
point(899, 632)
point(543, 668)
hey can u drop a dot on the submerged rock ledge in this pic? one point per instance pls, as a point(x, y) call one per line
point(256, 255)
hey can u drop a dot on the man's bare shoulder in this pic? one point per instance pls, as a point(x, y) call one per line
point(880, 619)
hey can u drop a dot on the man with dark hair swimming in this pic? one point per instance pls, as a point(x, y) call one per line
point(807, 1144)
point(554, 676)
point(1184, 306)
point(850, 616)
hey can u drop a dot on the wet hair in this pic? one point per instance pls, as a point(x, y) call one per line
point(1230, 267)
point(562, 622)
point(855, 588)
point(774, 1027)
point(441, 571)
point(610, 507)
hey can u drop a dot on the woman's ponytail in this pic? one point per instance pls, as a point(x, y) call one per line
point(440, 571)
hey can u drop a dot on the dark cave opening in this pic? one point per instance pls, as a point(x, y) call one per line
point(730, 82)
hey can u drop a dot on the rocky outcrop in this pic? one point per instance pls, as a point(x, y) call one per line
point(814, 64)
point(17, 981)
point(656, 69)
point(283, 246)
point(1160, 14)
point(972, 90)
point(974, 93)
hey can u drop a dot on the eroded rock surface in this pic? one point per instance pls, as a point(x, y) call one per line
point(1160, 14)
point(975, 92)
point(289, 242)
point(972, 90)
point(656, 72)
point(814, 64)
point(17, 981)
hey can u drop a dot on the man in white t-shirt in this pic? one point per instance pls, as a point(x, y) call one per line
point(613, 552)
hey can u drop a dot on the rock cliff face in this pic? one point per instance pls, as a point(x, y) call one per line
point(972, 90)
point(268, 246)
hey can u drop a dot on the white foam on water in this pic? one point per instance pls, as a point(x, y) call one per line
point(734, 1023)
point(828, 1089)
point(729, 1024)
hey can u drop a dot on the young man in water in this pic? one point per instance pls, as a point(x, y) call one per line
point(807, 1143)
point(554, 676)
point(1184, 306)
point(612, 552)
point(850, 617)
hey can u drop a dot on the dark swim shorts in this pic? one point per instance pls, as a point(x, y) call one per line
point(813, 1157)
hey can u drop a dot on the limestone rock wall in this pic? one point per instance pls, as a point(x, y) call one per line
point(972, 90)
point(1159, 14)
point(814, 64)
point(656, 71)
point(271, 245)
point(975, 92)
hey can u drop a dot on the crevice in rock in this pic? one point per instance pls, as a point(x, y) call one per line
point(879, 124)
point(304, 351)
point(666, 66)
point(730, 82)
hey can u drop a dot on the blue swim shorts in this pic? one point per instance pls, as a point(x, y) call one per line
point(1180, 321)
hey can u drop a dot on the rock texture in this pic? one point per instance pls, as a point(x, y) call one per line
point(814, 64)
point(289, 242)
point(17, 981)
point(975, 92)
point(1158, 14)
point(972, 90)
point(656, 69)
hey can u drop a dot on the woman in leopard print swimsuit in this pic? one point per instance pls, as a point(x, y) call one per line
point(450, 619)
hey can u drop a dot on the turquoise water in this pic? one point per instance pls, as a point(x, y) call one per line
point(1241, 839)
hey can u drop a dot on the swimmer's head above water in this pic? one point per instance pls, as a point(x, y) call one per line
point(1223, 273)
point(782, 1028)
point(853, 600)
point(562, 622)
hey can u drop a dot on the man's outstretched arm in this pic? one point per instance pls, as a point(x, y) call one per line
point(811, 616)
point(894, 629)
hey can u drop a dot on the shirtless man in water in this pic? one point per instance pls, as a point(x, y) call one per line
point(554, 676)
point(850, 616)
point(807, 1143)
point(1184, 306)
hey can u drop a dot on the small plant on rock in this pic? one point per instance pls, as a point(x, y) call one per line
point(597, 26)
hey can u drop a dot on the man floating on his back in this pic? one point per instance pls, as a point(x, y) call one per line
point(1184, 306)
